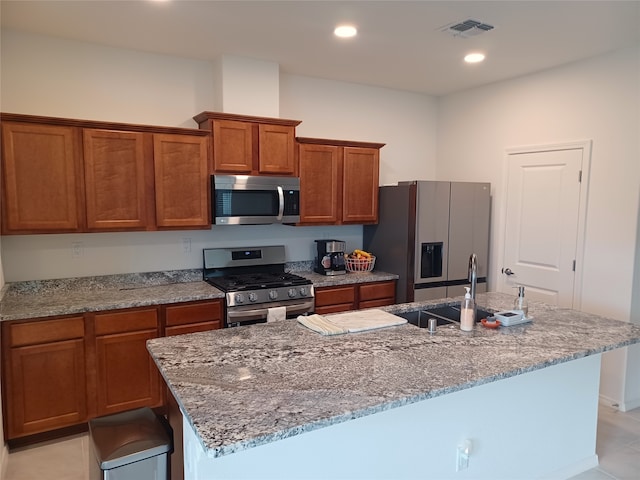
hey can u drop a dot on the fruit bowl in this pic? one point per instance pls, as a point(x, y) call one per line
point(360, 265)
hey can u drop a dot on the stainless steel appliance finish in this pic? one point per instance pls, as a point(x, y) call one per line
point(254, 280)
point(330, 257)
point(425, 234)
point(254, 200)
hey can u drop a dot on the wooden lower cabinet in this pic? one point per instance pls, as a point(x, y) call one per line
point(44, 377)
point(335, 299)
point(193, 317)
point(343, 298)
point(377, 294)
point(126, 376)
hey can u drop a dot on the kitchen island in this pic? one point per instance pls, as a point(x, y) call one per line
point(280, 401)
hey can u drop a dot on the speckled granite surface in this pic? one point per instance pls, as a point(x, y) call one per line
point(44, 298)
point(246, 386)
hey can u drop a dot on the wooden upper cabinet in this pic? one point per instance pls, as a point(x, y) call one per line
point(232, 146)
point(115, 166)
point(320, 183)
point(41, 178)
point(247, 145)
point(276, 152)
point(360, 185)
point(63, 175)
point(338, 181)
point(181, 181)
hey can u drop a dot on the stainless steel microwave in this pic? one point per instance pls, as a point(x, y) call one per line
point(254, 200)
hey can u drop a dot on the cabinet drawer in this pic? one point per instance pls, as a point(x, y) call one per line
point(193, 313)
point(335, 296)
point(45, 331)
point(375, 291)
point(192, 328)
point(126, 321)
point(380, 302)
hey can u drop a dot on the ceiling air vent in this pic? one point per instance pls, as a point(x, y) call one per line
point(467, 28)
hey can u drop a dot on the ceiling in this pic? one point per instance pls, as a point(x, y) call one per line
point(402, 45)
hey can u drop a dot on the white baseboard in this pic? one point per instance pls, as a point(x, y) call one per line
point(4, 460)
point(629, 405)
point(611, 402)
point(620, 405)
point(574, 469)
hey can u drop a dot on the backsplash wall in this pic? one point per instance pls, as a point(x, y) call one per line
point(40, 257)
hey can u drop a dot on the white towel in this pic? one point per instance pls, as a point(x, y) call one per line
point(320, 324)
point(275, 314)
point(363, 320)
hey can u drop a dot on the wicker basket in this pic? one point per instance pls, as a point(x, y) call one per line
point(360, 265)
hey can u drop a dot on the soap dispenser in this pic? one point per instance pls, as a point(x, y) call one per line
point(467, 312)
point(520, 302)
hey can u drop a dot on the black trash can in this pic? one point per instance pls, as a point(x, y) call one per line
point(131, 445)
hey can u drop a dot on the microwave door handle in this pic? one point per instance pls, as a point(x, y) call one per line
point(281, 199)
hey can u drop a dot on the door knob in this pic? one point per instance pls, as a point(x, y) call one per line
point(507, 271)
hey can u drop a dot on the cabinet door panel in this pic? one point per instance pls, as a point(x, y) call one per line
point(327, 296)
point(46, 387)
point(377, 290)
point(40, 166)
point(44, 331)
point(126, 375)
point(193, 313)
point(126, 321)
point(114, 168)
point(360, 187)
point(320, 178)
point(181, 180)
point(277, 149)
point(232, 147)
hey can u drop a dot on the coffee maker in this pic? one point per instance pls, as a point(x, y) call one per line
point(330, 259)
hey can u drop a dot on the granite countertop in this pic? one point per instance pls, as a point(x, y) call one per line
point(46, 298)
point(247, 386)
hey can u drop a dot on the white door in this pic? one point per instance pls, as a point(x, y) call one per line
point(542, 223)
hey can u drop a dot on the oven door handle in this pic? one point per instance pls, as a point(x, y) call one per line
point(258, 313)
point(281, 200)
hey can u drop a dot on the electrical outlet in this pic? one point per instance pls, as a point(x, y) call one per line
point(77, 250)
point(462, 455)
point(186, 246)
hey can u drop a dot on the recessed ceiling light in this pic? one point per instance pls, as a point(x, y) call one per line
point(474, 57)
point(345, 31)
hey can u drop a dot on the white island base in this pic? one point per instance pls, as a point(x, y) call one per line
point(540, 424)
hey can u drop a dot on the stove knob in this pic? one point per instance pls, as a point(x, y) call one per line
point(253, 297)
point(292, 292)
point(273, 294)
point(239, 298)
point(303, 291)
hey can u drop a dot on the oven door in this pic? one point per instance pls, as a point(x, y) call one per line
point(254, 200)
point(249, 314)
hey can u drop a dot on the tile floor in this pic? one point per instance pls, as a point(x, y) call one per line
point(618, 448)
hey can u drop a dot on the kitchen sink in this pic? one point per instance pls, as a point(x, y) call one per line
point(444, 315)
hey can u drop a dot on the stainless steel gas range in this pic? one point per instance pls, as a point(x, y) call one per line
point(254, 280)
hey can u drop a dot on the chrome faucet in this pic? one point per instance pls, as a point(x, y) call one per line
point(473, 274)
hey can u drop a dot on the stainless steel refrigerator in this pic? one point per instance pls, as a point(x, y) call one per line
point(426, 232)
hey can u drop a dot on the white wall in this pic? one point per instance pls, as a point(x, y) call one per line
point(405, 122)
point(47, 76)
point(596, 99)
